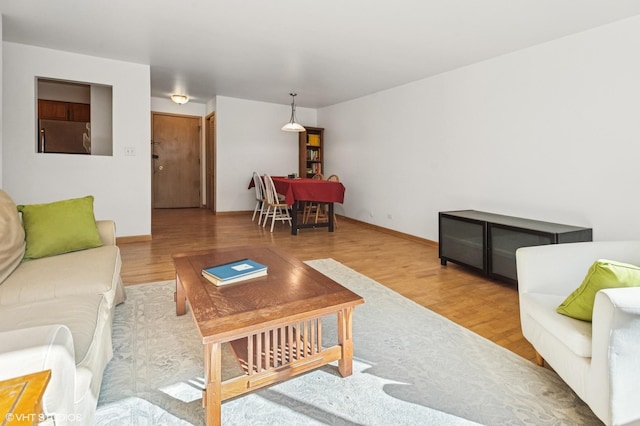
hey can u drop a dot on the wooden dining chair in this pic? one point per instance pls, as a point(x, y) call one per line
point(324, 207)
point(276, 209)
point(310, 207)
point(261, 199)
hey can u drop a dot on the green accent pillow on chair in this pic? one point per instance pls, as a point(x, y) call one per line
point(602, 274)
point(59, 227)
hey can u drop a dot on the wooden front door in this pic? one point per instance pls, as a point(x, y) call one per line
point(176, 160)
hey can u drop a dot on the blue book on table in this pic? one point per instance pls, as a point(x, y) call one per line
point(235, 271)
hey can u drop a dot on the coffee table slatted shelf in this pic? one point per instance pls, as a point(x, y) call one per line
point(274, 355)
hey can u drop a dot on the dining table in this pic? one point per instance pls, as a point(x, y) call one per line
point(300, 190)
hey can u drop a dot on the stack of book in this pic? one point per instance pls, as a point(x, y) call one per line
point(233, 272)
point(313, 140)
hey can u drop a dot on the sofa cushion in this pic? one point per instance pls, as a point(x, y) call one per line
point(602, 274)
point(542, 320)
point(59, 227)
point(12, 243)
point(94, 271)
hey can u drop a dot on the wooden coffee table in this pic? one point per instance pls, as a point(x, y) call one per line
point(273, 323)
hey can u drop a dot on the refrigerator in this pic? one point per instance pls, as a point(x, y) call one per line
point(69, 137)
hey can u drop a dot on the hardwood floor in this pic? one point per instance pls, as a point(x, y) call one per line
point(409, 267)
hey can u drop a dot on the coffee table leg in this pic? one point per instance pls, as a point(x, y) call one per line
point(212, 395)
point(345, 340)
point(180, 297)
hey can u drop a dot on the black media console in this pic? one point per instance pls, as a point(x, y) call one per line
point(488, 242)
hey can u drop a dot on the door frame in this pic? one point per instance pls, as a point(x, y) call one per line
point(200, 145)
point(210, 161)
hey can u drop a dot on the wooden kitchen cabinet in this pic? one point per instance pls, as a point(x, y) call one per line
point(64, 111)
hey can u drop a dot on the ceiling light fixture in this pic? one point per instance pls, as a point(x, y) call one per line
point(292, 126)
point(180, 99)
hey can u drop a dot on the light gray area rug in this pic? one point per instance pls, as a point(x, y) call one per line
point(412, 366)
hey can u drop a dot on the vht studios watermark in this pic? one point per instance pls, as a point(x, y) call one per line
point(37, 418)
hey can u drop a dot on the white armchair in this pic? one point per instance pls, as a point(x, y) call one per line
point(600, 360)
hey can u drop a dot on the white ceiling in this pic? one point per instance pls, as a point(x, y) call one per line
point(327, 51)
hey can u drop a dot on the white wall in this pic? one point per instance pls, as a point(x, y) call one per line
point(211, 106)
point(249, 138)
point(551, 133)
point(101, 120)
point(168, 106)
point(62, 91)
point(120, 184)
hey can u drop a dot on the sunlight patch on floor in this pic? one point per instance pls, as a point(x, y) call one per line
point(185, 391)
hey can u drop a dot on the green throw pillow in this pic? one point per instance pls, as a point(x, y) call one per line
point(602, 274)
point(59, 227)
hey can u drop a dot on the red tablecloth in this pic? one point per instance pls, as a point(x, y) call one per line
point(309, 190)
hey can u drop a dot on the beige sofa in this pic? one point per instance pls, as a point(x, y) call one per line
point(599, 360)
point(56, 313)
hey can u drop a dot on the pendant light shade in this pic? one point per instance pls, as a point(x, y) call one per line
point(180, 99)
point(292, 126)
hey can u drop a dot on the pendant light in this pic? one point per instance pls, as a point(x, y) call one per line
point(292, 126)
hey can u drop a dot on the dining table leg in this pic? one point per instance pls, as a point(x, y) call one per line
point(294, 217)
point(331, 217)
point(295, 225)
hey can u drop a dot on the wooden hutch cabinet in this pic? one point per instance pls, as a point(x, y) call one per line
point(311, 151)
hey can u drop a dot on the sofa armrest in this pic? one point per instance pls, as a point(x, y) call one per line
point(615, 371)
point(560, 268)
point(107, 230)
point(49, 347)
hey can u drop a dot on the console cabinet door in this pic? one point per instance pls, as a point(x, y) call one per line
point(462, 241)
point(503, 243)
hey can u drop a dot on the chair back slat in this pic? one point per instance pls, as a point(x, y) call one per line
point(257, 183)
point(276, 209)
point(270, 189)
